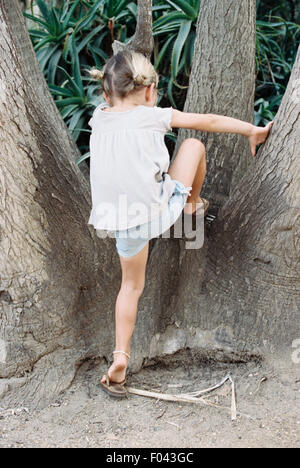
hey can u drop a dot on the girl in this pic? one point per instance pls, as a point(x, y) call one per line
point(130, 173)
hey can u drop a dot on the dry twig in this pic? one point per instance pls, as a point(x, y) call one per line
point(194, 397)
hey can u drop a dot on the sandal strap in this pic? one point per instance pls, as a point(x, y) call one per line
point(109, 382)
point(123, 352)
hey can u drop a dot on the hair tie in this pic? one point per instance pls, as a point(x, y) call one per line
point(139, 79)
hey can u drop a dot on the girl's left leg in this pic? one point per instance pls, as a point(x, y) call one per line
point(193, 200)
point(132, 286)
point(189, 167)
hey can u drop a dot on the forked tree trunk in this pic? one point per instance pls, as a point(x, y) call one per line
point(58, 281)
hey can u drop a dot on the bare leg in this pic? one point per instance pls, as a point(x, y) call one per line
point(192, 203)
point(133, 282)
point(189, 167)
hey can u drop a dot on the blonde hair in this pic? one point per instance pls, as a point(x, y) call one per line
point(125, 72)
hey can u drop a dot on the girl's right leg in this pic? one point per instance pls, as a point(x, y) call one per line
point(132, 286)
point(189, 167)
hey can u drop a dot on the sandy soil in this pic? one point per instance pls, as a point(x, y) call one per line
point(85, 416)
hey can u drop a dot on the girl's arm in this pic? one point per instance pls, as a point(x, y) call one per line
point(221, 124)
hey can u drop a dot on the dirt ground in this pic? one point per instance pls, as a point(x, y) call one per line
point(267, 397)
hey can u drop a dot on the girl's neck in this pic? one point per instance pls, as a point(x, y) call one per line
point(125, 105)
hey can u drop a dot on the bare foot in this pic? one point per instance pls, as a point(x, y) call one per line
point(192, 205)
point(117, 370)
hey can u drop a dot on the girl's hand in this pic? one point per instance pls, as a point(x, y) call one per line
point(258, 135)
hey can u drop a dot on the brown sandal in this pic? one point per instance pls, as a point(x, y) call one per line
point(114, 389)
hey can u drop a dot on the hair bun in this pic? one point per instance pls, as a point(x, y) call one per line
point(139, 79)
point(96, 74)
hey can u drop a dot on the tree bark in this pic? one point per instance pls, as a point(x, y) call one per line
point(238, 295)
point(58, 281)
point(253, 257)
point(142, 41)
point(223, 82)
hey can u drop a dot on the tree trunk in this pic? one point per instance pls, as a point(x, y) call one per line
point(223, 82)
point(58, 281)
point(252, 273)
point(239, 293)
point(142, 41)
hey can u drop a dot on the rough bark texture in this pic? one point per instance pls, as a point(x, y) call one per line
point(253, 256)
point(55, 273)
point(142, 41)
point(240, 293)
point(223, 82)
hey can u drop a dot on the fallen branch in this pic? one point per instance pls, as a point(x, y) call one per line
point(194, 397)
point(207, 390)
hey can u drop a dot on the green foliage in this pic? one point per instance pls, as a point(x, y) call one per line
point(174, 28)
point(277, 42)
point(72, 36)
point(70, 39)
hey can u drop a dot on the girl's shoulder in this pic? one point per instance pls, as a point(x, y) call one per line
point(152, 117)
point(164, 117)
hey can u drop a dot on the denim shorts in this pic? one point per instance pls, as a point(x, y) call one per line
point(131, 241)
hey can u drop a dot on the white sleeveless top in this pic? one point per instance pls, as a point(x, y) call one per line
point(128, 165)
